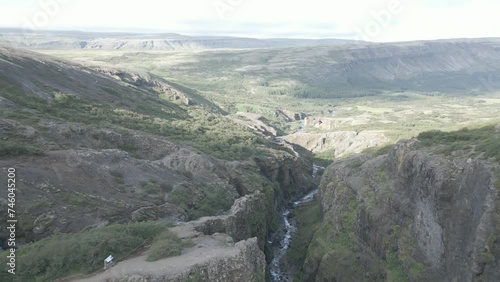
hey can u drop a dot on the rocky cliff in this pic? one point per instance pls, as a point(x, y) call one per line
point(409, 215)
point(214, 255)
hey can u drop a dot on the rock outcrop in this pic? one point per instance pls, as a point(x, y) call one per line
point(214, 256)
point(223, 262)
point(141, 82)
point(408, 215)
point(290, 116)
point(256, 123)
point(342, 142)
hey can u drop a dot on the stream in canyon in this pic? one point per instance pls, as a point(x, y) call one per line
point(282, 239)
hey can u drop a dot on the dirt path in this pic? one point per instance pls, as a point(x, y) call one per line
point(207, 247)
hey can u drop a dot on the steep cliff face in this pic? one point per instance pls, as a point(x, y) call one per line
point(409, 215)
point(292, 174)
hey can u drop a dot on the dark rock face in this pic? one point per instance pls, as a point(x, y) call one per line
point(291, 173)
point(408, 215)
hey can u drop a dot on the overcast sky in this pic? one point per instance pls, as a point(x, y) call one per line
point(373, 20)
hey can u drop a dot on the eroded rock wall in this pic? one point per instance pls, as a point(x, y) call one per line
point(408, 215)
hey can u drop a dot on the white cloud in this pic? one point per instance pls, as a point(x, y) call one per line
point(419, 19)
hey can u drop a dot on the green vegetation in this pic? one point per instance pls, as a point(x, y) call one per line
point(325, 158)
point(400, 265)
point(194, 277)
point(333, 251)
point(394, 269)
point(8, 149)
point(167, 244)
point(335, 247)
point(116, 173)
point(379, 151)
point(227, 79)
point(307, 218)
point(75, 198)
point(66, 254)
point(210, 132)
point(25, 222)
point(483, 141)
point(202, 201)
point(152, 187)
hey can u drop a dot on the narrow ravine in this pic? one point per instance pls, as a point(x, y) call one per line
point(302, 126)
point(282, 239)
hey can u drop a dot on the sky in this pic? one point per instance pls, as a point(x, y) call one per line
point(373, 20)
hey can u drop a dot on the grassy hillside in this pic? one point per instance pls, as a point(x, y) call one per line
point(401, 88)
point(97, 152)
point(325, 71)
point(54, 90)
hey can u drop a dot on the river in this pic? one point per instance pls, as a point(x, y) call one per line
point(282, 239)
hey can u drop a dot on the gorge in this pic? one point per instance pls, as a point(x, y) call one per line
point(284, 163)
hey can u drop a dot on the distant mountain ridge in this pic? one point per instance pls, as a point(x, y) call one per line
point(145, 41)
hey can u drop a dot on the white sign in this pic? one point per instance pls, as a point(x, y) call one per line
point(109, 259)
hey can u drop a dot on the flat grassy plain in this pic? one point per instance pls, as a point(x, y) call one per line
point(266, 80)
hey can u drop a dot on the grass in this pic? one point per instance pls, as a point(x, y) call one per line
point(379, 151)
point(152, 187)
point(308, 217)
point(202, 201)
point(221, 78)
point(395, 272)
point(194, 277)
point(9, 149)
point(217, 79)
point(401, 265)
point(80, 253)
point(199, 127)
point(167, 244)
point(116, 173)
point(484, 141)
point(324, 158)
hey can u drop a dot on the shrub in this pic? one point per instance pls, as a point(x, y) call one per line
point(116, 173)
point(166, 245)
point(151, 188)
point(166, 187)
point(8, 149)
point(64, 254)
point(201, 201)
point(485, 140)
